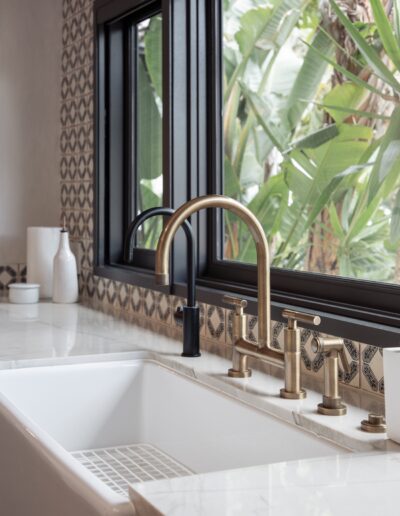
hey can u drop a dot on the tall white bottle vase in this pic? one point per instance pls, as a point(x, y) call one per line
point(65, 275)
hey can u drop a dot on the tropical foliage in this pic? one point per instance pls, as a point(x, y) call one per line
point(311, 132)
point(149, 114)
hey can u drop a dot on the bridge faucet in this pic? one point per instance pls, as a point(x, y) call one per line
point(242, 347)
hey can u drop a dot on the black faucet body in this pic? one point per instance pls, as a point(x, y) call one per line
point(189, 312)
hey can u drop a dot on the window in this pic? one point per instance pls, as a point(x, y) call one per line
point(148, 180)
point(141, 142)
point(131, 126)
point(315, 156)
point(274, 104)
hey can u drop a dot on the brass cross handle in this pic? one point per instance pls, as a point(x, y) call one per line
point(238, 304)
point(294, 316)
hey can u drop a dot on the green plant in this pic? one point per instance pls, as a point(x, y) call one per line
point(325, 166)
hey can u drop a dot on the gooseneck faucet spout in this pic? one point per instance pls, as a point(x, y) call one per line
point(190, 312)
point(191, 246)
point(257, 232)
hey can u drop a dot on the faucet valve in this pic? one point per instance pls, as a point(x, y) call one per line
point(292, 352)
point(239, 330)
point(332, 348)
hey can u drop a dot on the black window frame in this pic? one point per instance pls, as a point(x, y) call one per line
point(113, 142)
point(192, 139)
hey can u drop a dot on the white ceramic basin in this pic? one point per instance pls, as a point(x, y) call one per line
point(46, 413)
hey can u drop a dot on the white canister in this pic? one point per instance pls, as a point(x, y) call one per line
point(23, 293)
point(65, 274)
point(391, 372)
point(42, 244)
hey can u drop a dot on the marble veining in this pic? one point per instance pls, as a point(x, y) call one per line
point(345, 485)
point(47, 333)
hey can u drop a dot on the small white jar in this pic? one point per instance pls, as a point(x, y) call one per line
point(23, 293)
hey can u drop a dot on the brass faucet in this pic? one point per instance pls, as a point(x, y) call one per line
point(243, 348)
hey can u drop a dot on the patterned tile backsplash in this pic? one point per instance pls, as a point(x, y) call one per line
point(14, 273)
point(77, 195)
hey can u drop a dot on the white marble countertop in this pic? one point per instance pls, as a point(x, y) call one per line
point(366, 482)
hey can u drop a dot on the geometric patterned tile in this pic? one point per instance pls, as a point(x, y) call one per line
point(252, 328)
point(149, 303)
point(277, 335)
point(372, 369)
point(203, 309)
point(100, 288)
point(136, 299)
point(22, 273)
point(215, 322)
point(352, 350)
point(311, 362)
point(229, 314)
point(163, 308)
point(89, 284)
point(8, 275)
point(111, 292)
point(123, 295)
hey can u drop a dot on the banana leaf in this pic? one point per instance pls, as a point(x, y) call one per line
point(309, 78)
point(386, 32)
point(368, 51)
point(149, 137)
point(153, 53)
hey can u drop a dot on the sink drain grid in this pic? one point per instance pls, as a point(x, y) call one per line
point(123, 465)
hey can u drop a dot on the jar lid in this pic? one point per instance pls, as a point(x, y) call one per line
point(23, 286)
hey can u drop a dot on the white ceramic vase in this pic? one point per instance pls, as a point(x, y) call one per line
point(65, 274)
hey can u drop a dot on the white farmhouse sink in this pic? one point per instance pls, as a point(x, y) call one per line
point(167, 423)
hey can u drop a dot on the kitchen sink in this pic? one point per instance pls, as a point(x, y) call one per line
point(74, 436)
